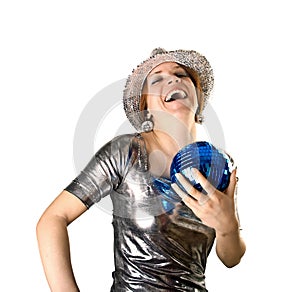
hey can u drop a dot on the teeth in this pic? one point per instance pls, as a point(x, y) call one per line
point(176, 94)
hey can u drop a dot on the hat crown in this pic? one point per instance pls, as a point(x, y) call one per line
point(157, 51)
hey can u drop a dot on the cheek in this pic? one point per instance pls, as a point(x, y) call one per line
point(193, 92)
point(154, 92)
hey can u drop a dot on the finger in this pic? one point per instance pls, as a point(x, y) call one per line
point(188, 186)
point(192, 204)
point(179, 191)
point(206, 185)
point(188, 200)
point(200, 198)
point(232, 184)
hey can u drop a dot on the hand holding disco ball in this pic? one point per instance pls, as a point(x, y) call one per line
point(213, 163)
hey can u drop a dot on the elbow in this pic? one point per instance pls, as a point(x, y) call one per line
point(48, 223)
point(233, 261)
point(231, 264)
point(40, 227)
point(42, 222)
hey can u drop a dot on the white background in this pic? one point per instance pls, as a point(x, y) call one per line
point(56, 55)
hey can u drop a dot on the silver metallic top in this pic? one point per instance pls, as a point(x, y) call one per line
point(159, 244)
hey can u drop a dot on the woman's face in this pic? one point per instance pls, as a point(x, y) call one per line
point(169, 88)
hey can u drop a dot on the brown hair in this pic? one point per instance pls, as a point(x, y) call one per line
point(143, 102)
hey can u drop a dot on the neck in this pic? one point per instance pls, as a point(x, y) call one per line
point(173, 140)
point(173, 133)
point(163, 144)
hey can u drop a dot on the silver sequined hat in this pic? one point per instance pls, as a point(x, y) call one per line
point(134, 84)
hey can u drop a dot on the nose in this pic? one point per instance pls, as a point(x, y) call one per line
point(173, 79)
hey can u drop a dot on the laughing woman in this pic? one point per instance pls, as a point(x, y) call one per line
point(163, 231)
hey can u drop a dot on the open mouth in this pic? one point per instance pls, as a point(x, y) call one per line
point(175, 94)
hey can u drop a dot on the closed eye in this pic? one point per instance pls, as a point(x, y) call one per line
point(156, 81)
point(182, 74)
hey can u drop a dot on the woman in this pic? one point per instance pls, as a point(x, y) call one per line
point(162, 233)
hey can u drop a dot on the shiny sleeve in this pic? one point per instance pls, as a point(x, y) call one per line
point(103, 173)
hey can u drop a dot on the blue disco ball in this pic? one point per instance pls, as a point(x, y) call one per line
point(213, 163)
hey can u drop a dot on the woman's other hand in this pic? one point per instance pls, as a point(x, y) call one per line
point(215, 209)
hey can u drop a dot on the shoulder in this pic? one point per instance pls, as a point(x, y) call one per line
point(121, 143)
point(124, 138)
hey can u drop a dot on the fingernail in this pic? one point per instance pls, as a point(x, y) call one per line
point(194, 170)
point(193, 173)
point(178, 175)
point(173, 186)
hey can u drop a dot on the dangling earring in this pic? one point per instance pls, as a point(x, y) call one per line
point(147, 125)
point(199, 118)
point(198, 114)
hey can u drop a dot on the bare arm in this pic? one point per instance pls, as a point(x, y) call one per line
point(230, 248)
point(53, 241)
